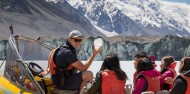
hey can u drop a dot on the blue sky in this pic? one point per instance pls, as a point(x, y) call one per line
point(183, 1)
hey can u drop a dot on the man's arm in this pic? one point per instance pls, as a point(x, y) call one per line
point(84, 66)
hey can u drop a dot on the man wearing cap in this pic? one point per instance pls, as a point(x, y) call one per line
point(66, 60)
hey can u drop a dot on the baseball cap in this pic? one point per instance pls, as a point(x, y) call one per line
point(75, 33)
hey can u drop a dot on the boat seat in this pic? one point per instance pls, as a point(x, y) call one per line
point(58, 91)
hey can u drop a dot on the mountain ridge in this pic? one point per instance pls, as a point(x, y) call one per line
point(151, 17)
point(38, 18)
point(103, 18)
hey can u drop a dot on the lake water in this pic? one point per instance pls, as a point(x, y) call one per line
point(126, 66)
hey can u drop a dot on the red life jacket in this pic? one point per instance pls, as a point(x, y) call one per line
point(111, 84)
point(51, 63)
point(153, 82)
point(172, 68)
point(188, 83)
point(174, 75)
point(173, 72)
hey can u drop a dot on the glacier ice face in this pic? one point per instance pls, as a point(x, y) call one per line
point(126, 50)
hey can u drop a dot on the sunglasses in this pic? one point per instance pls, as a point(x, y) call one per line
point(77, 40)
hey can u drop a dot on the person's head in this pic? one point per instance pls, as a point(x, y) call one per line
point(143, 64)
point(111, 62)
point(184, 64)
point(166, 62)
point(140, 55)
point(75, 38)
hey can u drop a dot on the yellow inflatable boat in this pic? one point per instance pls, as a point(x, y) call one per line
point(20, 74)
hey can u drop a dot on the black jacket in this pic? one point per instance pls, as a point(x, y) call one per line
point(97, 85)
point(180, 84)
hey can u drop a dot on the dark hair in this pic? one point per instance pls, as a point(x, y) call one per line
point(111, 62)
point(168, 60)
point(141, 54)
point(144, 64)
point(186, 66)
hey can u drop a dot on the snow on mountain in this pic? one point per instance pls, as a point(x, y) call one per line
point(94, 17)
point(179, 12)
point(136, 17)
point(109, 34)
point(42, 18)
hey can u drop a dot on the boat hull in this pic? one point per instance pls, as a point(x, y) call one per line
point(8, 88)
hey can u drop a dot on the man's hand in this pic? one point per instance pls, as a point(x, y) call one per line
point(44, 73)
point(96, 51)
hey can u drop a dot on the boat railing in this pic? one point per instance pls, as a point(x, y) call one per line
point(16, 70)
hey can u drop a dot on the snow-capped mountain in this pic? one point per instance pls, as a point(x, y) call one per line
point(136, 17)
point(41, 18)
point(94, 17)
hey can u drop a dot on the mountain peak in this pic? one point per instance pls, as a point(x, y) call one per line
point(96, 17)
point(150, 17)
point(40, 18)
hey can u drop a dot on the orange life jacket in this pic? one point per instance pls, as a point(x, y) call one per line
point(51, 63)
point(172, 68)
point(111, 84)
point(173, 72)
point(188, 83)
point(174, 75)
point(153, 82)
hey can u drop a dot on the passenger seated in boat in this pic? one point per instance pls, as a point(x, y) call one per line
point(64, 63)
point(110, 79)
point(167, 72)
point(182, 81)
point(137, 56)
point(147, 78)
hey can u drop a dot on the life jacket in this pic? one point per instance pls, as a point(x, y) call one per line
point(174, 74)
point(171, 68)
point(152, 82)
point(111, 84)
point(51, 63)
point(188, 83)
